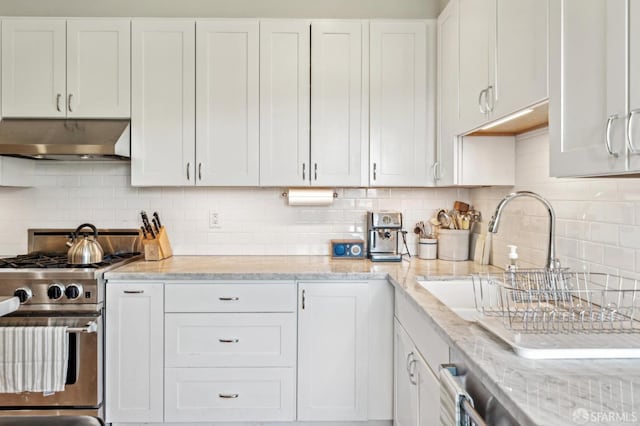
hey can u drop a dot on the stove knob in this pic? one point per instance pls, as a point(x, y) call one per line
point(55, 291)
point(24, 294)
point(73, 291)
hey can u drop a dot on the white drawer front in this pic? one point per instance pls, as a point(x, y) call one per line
point(225, 297)
point(229, 394)
point(230, 340)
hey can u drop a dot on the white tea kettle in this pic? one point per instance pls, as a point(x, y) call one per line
point(84, 250)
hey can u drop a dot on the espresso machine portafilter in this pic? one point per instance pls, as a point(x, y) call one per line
point(384, 236)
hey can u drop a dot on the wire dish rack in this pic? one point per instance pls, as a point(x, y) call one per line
point(558, 301)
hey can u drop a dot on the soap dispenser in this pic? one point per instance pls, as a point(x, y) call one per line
point(513, 258)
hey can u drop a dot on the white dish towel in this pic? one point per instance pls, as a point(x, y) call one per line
point(33, 359)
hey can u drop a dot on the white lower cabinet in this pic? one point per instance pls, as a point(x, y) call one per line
point(419, 351)
point(133, 360)
point(229, 394)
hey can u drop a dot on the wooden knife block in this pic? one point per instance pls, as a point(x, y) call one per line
point(157, 248)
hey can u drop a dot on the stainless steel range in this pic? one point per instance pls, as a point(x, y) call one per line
point(55, 293)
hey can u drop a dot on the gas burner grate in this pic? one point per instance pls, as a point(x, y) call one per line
point(56, 260)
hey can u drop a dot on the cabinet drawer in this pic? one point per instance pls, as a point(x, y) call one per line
point(229, 394)
point(227, 297)
point(230, 340)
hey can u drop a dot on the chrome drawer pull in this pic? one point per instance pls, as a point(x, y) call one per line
point(229, 395)
point(607, 133)
point(133, 291)
point(228, 340)
point(228, 299)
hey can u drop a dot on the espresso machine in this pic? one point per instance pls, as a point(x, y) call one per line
point(385, 235)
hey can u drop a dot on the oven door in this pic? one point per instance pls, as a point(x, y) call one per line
point(83, 388)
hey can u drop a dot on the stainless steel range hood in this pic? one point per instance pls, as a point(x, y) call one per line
point(65, 139)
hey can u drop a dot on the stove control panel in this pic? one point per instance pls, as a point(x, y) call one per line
point(51, 292)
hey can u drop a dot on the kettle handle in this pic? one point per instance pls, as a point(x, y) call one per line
point(86, 225)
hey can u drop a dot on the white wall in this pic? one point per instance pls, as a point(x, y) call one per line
point(225, 8)
point(253, 221)
point(598, 220)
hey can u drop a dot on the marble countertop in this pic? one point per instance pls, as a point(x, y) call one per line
point(536, 392)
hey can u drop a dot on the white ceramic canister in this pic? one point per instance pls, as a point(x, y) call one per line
point(454, 244)
point(427, 248)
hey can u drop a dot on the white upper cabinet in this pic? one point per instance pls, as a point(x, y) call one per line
point(163, 103)
point(588, 87)
point(284, 102)
point(503, 58)
point(33, 68)
point(336, 103)
point(402, 102)
point(633, 123)
point(56, 68)
point(477, 19)
point(227, 149)
point(98, 68)
point(448, 70)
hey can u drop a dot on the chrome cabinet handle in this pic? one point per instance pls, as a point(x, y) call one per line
point(228, 299)
point(228, 340)
point(199, 171)
point(58, 97)
point(375, 171)
point(491, 105)
point(304, 298)
point(411, 361)
point(304, 171)
point(607, 135)
point(315, 171)
point(188, 170)
point(630, 144)
point(436, 171)
point(133, 291)
point(69, 102)
point(228, 395)
point(482, 94)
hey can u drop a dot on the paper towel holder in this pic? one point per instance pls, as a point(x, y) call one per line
point(309, 196)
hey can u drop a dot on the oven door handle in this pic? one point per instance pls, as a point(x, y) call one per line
point(91, 327)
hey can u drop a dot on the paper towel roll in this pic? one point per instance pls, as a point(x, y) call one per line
point(310, 197)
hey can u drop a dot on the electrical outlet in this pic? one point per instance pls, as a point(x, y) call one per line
point(214, 220)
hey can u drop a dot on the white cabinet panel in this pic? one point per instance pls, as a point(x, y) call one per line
point(227, 147)
point(231, 297)
point(332, 345)
point(402, 90)
point(163, 103)
point(133, 359)
point(98, 68)
point(448, 71)
point(634, 85)
point(428, 394)
point(285, 51)
point(406, 393)
point(33, 68)
point(587, 86)
point(336, 103)
point(230, 340)
point(521, 55)
point(229, 394)
point(477, 40)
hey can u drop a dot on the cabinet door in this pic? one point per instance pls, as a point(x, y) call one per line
point(477, 31)
point(634, 85)
point(402, 128)
point(587, 87)
point(332, 351)
point(33, 68)
point(134, 365)
point(285, 51)
point(405, 402)
point(98, 68)
point(448, 69)
point(428, 394)
point(227, 147)
point(163, 103)
point(521, 55)
point(336, 103)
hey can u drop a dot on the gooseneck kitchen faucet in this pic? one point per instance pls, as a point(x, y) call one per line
point(552, 262)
